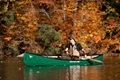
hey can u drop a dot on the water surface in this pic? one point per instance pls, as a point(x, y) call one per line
point(14, 69)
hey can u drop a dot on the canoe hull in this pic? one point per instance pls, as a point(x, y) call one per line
point(36, 60)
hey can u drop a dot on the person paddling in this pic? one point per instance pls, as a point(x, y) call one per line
point(73, 48)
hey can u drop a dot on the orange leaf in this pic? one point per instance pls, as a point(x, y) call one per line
point(97, 39)
point(8, 38)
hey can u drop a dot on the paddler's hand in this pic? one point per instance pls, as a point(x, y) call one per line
point(83, 51)
point(66, 52)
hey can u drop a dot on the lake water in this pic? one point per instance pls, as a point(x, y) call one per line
point(14, 69)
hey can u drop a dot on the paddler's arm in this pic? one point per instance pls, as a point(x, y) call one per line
point(83, 50)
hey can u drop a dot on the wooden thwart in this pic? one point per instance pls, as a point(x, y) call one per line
point(21, 55)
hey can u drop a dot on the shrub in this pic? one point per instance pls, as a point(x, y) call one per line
point(47, 36)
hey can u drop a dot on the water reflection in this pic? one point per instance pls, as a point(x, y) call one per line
point(63, 73)
point(74, 72)
point(13, 69)
point(2, 69)
point(111, 72)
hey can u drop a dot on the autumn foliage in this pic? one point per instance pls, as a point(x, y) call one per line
point(88, 21)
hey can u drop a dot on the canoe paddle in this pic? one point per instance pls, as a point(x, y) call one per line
point(96, 60)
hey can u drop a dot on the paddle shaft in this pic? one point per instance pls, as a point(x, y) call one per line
point(96, 60)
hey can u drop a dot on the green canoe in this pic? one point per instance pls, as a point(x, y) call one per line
point(31, 59)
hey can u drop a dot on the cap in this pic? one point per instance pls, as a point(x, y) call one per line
point(70, 38)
